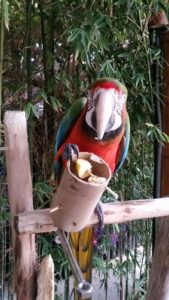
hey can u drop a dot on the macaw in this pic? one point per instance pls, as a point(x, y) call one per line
point(100, 125)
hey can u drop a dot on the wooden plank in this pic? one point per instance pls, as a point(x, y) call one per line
point(45, 281)
point(20, 200)
point(35, 221)
point(158, 287)
point(3, 148)
point(39, 221)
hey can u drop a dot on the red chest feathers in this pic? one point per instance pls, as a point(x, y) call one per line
point(108, 151)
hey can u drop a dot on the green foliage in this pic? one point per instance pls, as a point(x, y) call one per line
point(51, 58)
point(4, 6)
point(31, 110)
point(90, 37)
point(43, 193)
point(156, 133)
point(4, 211)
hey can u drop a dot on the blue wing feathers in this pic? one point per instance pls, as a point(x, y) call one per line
point(68, 122)
point(66, 125)
point(125, 145)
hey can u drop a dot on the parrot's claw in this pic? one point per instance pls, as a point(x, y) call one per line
point(70, 152)
point(98, 231)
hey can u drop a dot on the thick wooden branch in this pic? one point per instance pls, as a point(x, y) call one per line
point(20, 199)
point(39, 221)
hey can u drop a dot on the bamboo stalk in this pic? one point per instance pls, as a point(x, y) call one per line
point(38, 221)
point(28, 40)
point(1, 63)
point(115, 196)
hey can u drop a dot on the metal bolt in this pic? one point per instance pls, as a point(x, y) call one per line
point(84, 290)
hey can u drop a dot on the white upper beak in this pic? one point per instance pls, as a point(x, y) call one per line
point(104, 109)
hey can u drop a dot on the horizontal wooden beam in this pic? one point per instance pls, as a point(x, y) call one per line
point(38, 221)
point(3, 148)
point(35, 221)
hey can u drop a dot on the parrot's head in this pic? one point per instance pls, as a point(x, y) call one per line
point(106, 108)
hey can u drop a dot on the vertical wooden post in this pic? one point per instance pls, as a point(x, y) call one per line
point(20, 200)
point(158, 288)
point(46, 279)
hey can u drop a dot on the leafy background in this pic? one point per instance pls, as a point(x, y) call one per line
point(51, 51)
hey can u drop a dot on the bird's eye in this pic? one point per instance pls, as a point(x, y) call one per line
point(123, 98)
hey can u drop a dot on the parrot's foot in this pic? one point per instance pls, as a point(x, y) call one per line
point(98, 230)
point(70, 152)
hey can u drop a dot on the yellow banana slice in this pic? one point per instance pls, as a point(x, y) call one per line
point(83, 168)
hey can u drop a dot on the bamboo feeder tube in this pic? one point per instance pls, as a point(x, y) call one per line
point(76, 199)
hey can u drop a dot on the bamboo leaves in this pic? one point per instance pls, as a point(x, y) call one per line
point(107, 69)
point(31, 110)
point(5, 12)
point(156, 133)
point(59, 48)
point(90, 38)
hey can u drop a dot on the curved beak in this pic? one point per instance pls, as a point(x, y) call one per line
point(104, 109)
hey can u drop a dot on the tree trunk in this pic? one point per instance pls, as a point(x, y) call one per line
point(159, 277)
point(20, 200)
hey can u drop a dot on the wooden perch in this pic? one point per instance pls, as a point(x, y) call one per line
point(38, 221)
point(3, 148)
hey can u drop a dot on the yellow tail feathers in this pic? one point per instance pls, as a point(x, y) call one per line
point(82, 247)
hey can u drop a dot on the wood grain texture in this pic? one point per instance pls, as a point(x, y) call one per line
point(45, 279)
point(158, 287)
point(39, 221)
point(20, 200)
